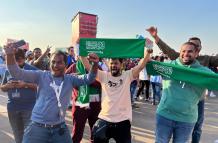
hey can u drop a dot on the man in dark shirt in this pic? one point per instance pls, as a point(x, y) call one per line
point(21, 98)
point(71, 56)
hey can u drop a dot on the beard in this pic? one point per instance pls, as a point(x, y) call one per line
point(115, 72)
point(187, 62)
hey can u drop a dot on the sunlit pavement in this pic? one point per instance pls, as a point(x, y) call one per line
point(143, 124)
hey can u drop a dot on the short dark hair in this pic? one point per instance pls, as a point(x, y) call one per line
point(68, 49)
point(60, 53)
point(36, 49)
point(119, 59)
point(20, 53)
point(192, 44)
point(194, 38)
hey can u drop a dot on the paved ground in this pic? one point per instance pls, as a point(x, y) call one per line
point(142, 127)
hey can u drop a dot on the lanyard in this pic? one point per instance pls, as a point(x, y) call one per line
point(57, 90)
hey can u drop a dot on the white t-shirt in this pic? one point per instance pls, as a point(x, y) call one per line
point(143, 74)
point(116, 102)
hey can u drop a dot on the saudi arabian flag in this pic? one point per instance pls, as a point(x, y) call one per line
point(197, 77)
point(112, 48)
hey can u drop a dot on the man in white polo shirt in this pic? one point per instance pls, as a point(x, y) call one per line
point(116, 113)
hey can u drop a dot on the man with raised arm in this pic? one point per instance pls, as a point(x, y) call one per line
point(116, 113)
point(177, 112)
point(54, 91)
point(204, 60)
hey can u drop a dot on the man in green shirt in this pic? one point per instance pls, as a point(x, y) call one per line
point(177, 112)
point(204, 60)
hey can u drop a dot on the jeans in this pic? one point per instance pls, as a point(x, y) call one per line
point(166, 128)
point(19, 120)
point(156, 91)
point(196, 134)
point(120, 132)
point(133, 87)
point(37, 134)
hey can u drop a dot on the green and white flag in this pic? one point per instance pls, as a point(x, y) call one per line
point(112, 48)
point(84, 91)
point(197, 77)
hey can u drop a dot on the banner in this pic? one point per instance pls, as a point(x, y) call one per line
point(197, 77)
point(112, 48)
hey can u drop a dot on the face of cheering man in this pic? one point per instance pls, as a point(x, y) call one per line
point(37, 52)
point(116, 67)
point(58, 64)
point(71, 51)
point(188, 53)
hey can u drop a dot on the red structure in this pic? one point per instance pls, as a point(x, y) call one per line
point(84, 25)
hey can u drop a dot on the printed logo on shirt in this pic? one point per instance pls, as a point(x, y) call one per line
point(115, 84)
point(16, 94)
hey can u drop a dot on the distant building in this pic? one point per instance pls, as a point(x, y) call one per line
point(84, 25)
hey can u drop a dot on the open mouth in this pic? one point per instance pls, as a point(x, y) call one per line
point(114, 70)
point(56, 70)
point(186, 58)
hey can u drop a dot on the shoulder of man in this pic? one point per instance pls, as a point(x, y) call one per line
point(205, 69)
point(202, 67)
point(30, 67)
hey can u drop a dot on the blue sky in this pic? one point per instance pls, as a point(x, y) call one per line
point(48, 22)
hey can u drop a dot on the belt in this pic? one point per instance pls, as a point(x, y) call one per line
point(48, 126)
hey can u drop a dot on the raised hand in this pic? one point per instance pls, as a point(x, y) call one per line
point(48, 49)
point(92, 57)
point(9, 49)
point(149, 51)
point(153, 31)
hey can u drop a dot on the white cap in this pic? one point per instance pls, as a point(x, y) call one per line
point(28, 53)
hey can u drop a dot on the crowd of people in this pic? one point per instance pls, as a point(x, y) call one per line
point(103, 92)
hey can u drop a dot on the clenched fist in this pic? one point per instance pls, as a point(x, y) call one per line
point(92, 57)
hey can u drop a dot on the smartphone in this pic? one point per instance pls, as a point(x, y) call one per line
point(14, 81)
point(19, 44)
